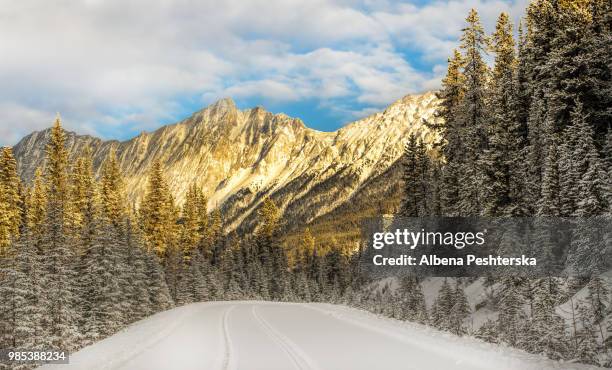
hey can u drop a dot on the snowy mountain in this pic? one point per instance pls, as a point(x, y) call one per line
point(241, 156)
point(266, 335)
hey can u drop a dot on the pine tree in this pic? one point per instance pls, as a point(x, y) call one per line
point(5, 230)
point(114, 214)
point(112, 193)
point(157, 213)
point(472, 114)
point(547, 335)
point(212, 235)
point(542, 24)
point(453, 90)
point(101, 287)
point(86, 215)
point(191, 222)
point(511, 313)
point(59, 255)
point(271, 254)
point(587, 179)
point(608, 163)
point(460, 310)
point(598, 295)
point(577, 67)
point(159, 294)
point(138, 295)
point(83, 194)
point(416, 178)
point(588, 169)
point(588, 347)
point(174, 268)
point(192, 285)
point(36, 204)
point(549, 204)
point(487, 332)
point(22, 307)
point(443, 307)
point(308, 243)
point(503, 188)
point(413, 300)
point(10, 197)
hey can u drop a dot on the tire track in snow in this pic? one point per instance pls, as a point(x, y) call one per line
point(227, 363)
point(298, 358)
point(123, 358)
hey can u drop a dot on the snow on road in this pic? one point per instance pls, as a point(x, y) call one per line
point(286, 336)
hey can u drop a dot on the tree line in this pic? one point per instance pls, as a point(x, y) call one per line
point(529, 136)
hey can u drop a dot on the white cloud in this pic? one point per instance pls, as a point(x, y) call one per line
point(114, 65)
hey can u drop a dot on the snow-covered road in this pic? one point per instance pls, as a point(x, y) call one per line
point(284, 336)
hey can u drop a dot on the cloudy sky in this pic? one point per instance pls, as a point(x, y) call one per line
point(113, 68)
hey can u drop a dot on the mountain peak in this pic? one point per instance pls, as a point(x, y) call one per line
point(224, 104)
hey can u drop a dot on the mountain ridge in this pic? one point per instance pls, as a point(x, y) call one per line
point(239, 157)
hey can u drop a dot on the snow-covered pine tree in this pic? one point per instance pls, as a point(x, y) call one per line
point(487, 331)
point(60, 260)
point(85, 217)
point(138, 297)
point(589, 169)
point(549, 204)
point(472, 115)
point(511, 316)
point(336, 271)
point(195, 279)
point(443, 306)
point(453, 89)
point(460, 310)
point(302, 286)
point(159, 294)
point(542, 25)
point(271, 254)
point(597, 298)
point(101, 291)
point(588, 348)
point(114, 212)
point(591, 194)
point(212, 282)
point(412, 300)
point(522, 89)
point(22, 308)
point(608, 163)
point(174, 269)
point(411, 178)
point(501, 159)
point(575, 68)
point(547, 335)
point(231, 266)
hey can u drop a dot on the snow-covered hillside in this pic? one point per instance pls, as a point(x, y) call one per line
point(264, 335)
point(478, 294)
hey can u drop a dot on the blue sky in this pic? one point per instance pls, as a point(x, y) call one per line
point(114, 68)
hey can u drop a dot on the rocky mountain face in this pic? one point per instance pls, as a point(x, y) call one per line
point(239, 157)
